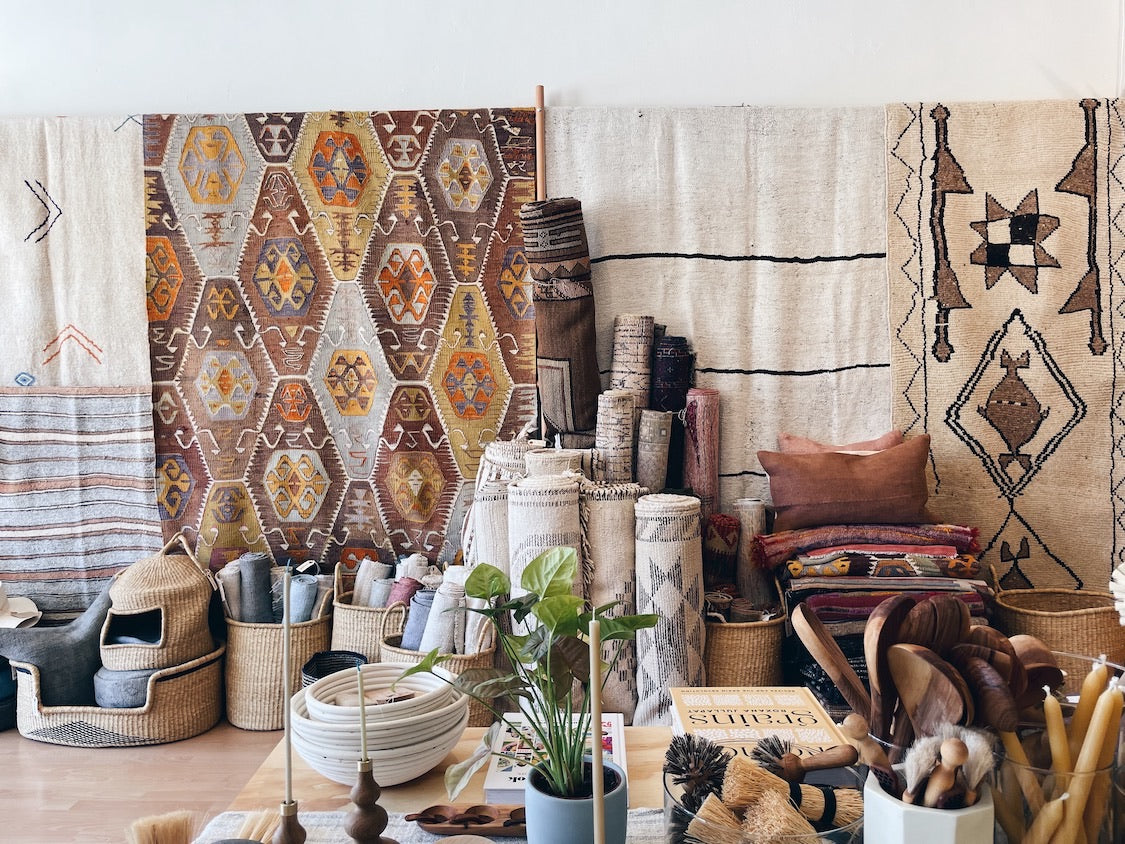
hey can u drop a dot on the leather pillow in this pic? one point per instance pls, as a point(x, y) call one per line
point(792, 444)
point(834, 488)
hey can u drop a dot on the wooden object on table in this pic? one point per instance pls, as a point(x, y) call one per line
point(932, 691)
point(289, 831)
point(819, 642)
point(879, 633)
point(366, 822)
point(645, 749)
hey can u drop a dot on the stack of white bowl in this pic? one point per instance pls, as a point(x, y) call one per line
point(405, 739)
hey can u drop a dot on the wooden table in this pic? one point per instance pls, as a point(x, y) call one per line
point(644, 748)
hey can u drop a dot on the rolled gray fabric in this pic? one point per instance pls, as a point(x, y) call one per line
point(257, 602)
point(380, 592)
point(230, 586)
point(417, 618)
point(669, 554)
point(441, 622)
point(121, 689)
point(302, 597)
point(754, 583)
point(653, 438)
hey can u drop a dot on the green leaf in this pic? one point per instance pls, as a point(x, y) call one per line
point(486, 581)
point(559, 613)
point(552, 572)
point(626, 626)
point(457, 776)
point(489, 683)
point(425, 666)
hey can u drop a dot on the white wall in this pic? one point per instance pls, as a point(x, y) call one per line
point(129, 56)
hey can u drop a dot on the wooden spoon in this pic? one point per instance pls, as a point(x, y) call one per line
point(815, 636)
point(951, 622)
point(1040, 666)
point(931, 689)
point(1008, 667)
point(919, 626)
point(880, 632)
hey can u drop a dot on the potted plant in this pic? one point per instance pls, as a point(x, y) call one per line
point(549, 680)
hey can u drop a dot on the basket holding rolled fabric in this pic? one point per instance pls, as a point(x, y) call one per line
point(391, 651)
point(354, 627)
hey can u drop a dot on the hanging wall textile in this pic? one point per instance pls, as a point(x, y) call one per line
point(758, 233)
point(1003, 262)
point(669, 560)
point(340, 319)
point(77, 501)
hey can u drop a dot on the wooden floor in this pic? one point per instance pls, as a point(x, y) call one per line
point(50, 793)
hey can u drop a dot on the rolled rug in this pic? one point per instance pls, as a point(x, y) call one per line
point(503, 460)
point(755, 583)
point(608, 514)
point(257, 600)
point(669, 559)
point(441, 623)
point(631, 367)
point(653, 438)
point(230, 589)
point(457, 575)
point(369, 571)
point(673, 369)
point(542, 514)
point(403, 590)
point(701, 447)
point(558, 257)
point(488, 522)
point(555, 461)
point(416, 619)
point(720, 549)
point(303, 590)
point(380, 592)
point(614, 437)
point(414, 565)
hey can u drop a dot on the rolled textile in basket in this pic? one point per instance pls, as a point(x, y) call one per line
point(669, 558)
point(420, 605)
point(403, 590)
point(303, 590)
point(369, 571)
point(230, 589)
point(441, 622)
point(380, 592)
point(257, 603)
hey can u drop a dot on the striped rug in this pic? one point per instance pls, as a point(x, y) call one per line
point(759, 234)
point(77, 495)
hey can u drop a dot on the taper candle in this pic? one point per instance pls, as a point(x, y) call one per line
point(1056, 733)
point(596, 729)
point(1106, 707)
point(1092, 686)
point(362, 715)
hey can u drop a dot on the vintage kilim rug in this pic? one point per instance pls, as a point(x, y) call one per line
point(1004, 244)
point(76, 482)
point(757, 233)
point(340, 321)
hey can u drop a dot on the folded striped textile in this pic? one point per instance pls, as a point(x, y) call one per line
point(876, 563)
point(774, 549)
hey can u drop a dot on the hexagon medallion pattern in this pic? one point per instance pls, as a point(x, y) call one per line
point(339, 322)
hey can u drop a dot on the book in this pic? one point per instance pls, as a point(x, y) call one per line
point(504, 778)
point(740, 717)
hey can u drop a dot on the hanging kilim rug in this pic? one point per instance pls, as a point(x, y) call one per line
point(340, 322)
point(758, 234)
point(1004, 243)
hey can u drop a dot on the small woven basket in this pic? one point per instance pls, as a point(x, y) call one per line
point(1082, 622)
point(744, 653)
point(354, 628)
point(255, 694)
point(479, 714)
point(323, 663)
point(182, 701)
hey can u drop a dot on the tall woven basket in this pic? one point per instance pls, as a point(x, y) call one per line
point(255, 693)
point(1078, 622)
point(744, 653)
point(395, 619)
point(355, 628)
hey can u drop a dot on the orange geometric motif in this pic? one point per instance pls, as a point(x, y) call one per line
point(293, 403)
point(211, 164)
point(222, 301)
point(406, 282)
point(296, 484)
point(351, 381)
point(338, 168)
point(469, 384)
point(163, 277)
point(464, 173)
point(226, 384)
point(415, 483)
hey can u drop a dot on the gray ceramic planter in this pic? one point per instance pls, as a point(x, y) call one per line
point(558, 820)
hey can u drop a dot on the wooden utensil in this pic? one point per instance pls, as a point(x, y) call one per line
point(793, 767)
point(815, 636)
point(1008, 667)
point(931, 689)
point(880, 632)
point(920, 625)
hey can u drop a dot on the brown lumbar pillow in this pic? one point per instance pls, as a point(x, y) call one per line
point(834, 488)
point(793, 444)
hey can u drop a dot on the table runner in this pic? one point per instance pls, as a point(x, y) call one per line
point(646, 826)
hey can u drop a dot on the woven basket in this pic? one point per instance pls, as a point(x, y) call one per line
point(255, 694)
point(167, 594)
point(1081, 622)
point(479, 714)
point(323, 663)
point(182, 701)
point(744, 653)
point(354, 628)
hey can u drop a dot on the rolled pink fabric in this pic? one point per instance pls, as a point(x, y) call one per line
point(403, 590)
point(701, 447)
